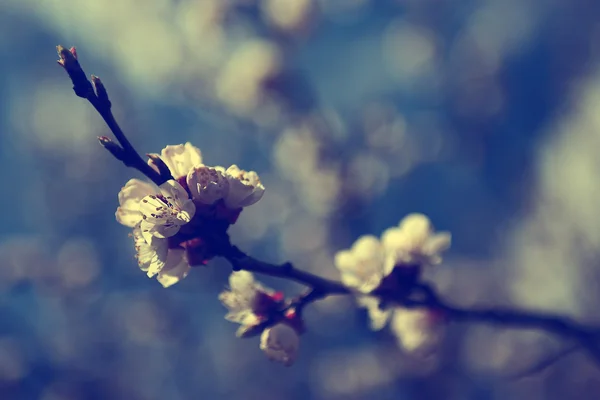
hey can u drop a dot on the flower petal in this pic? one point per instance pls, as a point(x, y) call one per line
point(245, 187)
point(176, 268)
point(378, 317)
point(151, 255)
point(181, 158)
point(128, 212)
point(361, 267)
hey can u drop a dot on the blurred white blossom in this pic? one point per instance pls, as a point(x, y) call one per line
point(418, 331)
point(393, 263)
point(280, 343)
point(414, 242)
point(361, 267)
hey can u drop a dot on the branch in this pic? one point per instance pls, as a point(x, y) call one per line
point(424, 296)
point(417, 295)
point(321, 287)
point(96, 94)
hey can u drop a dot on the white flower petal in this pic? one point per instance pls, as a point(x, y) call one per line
point(176, 268)
point(378, 317)
point(128, 213)
point(175, 194)
point(362, 267)
point(207, 184)
point(181, 158)
point(151, 255)
point(150, 229)
point(240, 299)
point(280, 343)
point(438, 243)
point(245, 188)
point(414, 242)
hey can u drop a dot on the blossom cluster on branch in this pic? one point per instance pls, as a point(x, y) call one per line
point(179, 220)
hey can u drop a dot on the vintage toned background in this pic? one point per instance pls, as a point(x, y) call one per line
point(484, 115)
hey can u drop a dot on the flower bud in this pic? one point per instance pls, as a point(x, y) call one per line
point(280, 343)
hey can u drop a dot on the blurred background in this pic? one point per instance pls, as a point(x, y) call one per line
point(484, 115)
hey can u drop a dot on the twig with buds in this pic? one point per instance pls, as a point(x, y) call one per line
point(186, 224)
point(96, 94)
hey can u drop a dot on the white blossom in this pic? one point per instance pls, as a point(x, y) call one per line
point(207, 184)
point(245, 187)
point(128, 213)
point(181, 158)
point(280, 343)
point(368, 265)
point(164, 213)
point(245, 300)
point(362, 267)
point(414, 242)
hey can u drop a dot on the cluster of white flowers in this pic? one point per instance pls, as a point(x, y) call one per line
point(158, 213)
point(258, 310)
point(375, 264)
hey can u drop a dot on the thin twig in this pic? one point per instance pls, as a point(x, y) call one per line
point(96, 94)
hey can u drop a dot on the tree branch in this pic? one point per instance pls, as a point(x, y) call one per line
point(96, 94)
point(418, 295)
point(424, 296)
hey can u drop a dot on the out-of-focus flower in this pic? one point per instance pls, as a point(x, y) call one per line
point(245, 187)
point(414, 242)
point(207, 184)
point(164, 213)
point(361, 267)
point(418, 331)
point(287, 15)
point(280, 343)
point(241, 81)
point(181, 158)
point(249, 302)
point(378, 317)
point(392, 266)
